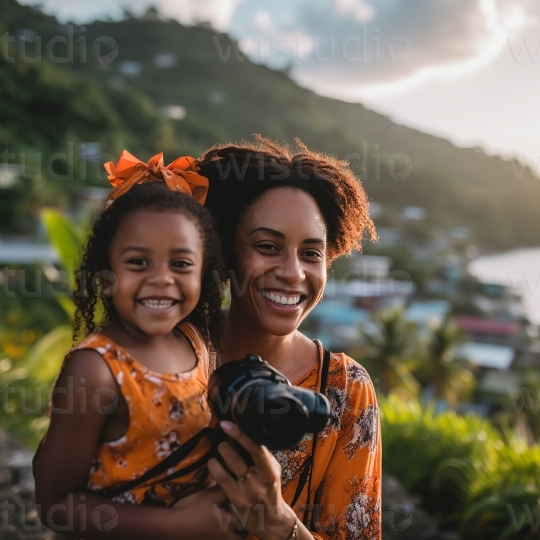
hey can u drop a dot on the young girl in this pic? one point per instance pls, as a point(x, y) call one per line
point(134, 390)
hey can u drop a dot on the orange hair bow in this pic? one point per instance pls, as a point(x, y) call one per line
point(181, 175)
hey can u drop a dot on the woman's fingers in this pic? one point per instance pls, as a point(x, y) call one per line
point(233, 460)
point(226, 482)
point(260, 454)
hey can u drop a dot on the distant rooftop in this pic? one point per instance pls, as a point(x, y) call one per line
point(26, 253)
point(488, 356)
point(428, 311)
point(481, 325)
point(335, 312)
point(370, 289)
point(413, 213)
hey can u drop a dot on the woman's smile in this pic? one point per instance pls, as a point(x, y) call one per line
point(283, 303)
point(283, 260)
point(281, 299)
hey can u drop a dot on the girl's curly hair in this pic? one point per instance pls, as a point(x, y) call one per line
point(240, 173)
point(92, 304)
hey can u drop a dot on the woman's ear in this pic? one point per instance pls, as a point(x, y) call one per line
point(108, 282)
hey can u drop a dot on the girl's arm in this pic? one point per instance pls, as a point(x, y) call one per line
point(81, 394)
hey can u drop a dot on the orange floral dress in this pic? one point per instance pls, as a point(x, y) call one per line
point(346, 482)
point(165, 410)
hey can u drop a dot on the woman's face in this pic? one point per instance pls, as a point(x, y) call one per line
point(280, 253)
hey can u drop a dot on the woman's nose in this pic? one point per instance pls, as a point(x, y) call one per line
point(291, 270)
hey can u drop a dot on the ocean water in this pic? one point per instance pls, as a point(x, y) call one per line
point(519, 269)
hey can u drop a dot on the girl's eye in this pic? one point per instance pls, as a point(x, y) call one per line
point(181, 264)
point(137, 262)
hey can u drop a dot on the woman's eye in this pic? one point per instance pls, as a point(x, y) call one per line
point(266, 247)
point(313, 254)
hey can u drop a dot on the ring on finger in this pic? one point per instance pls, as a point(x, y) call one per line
point(244, 476)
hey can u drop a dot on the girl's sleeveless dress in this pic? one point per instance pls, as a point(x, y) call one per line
point(165, 411)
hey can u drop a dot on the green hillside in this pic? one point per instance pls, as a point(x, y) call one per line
point(45, 105)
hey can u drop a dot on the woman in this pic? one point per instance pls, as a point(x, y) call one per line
point(283, 218)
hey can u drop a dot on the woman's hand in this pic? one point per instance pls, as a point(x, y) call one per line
point(255, 494)
point(208, 511)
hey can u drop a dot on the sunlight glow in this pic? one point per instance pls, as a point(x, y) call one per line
point(516, 19)
point(486, 55)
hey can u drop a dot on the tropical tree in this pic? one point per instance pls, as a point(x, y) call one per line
point(392, 353)
point(445, 372)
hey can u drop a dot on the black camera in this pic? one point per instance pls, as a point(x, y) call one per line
point(264, 404)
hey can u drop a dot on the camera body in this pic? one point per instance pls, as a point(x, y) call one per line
point(264, 404)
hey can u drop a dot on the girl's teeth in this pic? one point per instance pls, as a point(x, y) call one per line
point(157, 304)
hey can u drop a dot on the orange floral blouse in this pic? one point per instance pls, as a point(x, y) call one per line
point(165, 411)
point(346, 482)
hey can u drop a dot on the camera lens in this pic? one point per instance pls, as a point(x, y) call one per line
point(263, 403)
point(283, 422)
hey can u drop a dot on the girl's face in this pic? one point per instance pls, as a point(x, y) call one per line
point(157, 259)
point(280, 251)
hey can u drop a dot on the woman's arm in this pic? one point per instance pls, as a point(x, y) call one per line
point(61, 470)
point(347, 503)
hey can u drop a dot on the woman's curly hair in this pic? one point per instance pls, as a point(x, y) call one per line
point(92, 304)
point(240, 173)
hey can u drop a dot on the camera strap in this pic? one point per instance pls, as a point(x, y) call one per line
point(307, 469)
point(212, 434)
point(169, 462)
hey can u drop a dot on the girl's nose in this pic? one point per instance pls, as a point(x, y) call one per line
point(161, 277)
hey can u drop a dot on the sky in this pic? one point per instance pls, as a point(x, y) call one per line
point(466, 70)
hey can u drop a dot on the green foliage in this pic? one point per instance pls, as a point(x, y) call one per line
point(29, 373)
point(392, 353)
point(66, 239)
point(476, 483)
point(449, 376)
point(26, 385)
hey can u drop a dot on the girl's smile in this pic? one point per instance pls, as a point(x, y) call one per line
point(157, 259)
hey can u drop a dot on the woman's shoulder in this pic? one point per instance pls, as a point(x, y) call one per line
point(345, 372)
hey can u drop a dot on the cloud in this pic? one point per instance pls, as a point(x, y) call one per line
point(358, 9)
point(218, 12)
point(339, 46)
point(401, 39)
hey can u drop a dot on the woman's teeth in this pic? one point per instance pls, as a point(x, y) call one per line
point(157, 304)
point(282, 300)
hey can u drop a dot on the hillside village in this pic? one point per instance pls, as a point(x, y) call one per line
point(498, 342)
